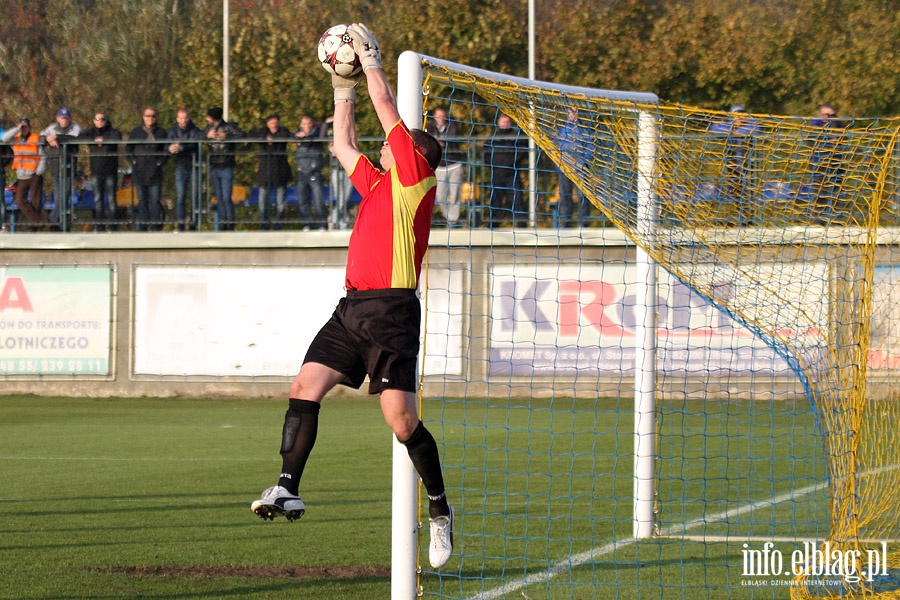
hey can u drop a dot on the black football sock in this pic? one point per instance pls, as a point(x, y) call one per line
point(423, 452)
point(301, 424)
point(438, 506)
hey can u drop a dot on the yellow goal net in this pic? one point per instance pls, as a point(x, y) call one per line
point(788, 225)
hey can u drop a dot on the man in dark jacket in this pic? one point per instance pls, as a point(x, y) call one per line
point(104, 169)
point(222, 163)
point(147, 170)
point(6, 158)
point(505, 153)
point(185, 151)
point(309, 160)
point(827, 167)
point(273, 170)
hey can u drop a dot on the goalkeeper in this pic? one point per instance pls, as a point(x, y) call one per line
point(374, 330)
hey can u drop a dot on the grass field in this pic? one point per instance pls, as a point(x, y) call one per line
point(140, 498)
point(149, 498)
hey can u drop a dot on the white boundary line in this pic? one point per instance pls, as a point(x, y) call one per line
point(570, 563)
point(676, 531)
point(717, 539)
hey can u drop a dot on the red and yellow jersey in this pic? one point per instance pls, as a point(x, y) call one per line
point(391, 233)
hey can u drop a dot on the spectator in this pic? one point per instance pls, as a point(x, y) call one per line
point(62, 158)
point(104, 163)
point(374, 330)
point(222, 163)
point(6, 158)
point(826, 167)
point(505, 154)
point(738, 131)
point(616, 180)
point(273, 170)
point(340, 189)
point(29, 164)
point(309, 160)
point(186, 151)
point(147, 161)
point(574, 142)
point(450, 173)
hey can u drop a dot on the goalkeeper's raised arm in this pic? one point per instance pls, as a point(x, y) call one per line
point(383, 98)
point(384, 101)
point(380, 91)
point(344, 125)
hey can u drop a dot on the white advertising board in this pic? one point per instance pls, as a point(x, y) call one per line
point(259, 321)
point(229, 320)
point(562, 320)
point(884, 348)
point(443, 322)
point(55, 320)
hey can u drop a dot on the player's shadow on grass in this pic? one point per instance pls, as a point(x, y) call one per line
point(204, 581)
point(289, 588)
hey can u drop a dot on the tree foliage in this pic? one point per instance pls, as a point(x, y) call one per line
point(88, 55)
point(777, 56)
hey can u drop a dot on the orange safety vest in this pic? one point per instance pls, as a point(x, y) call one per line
point(25, 154)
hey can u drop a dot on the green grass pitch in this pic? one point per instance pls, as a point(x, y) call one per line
point(149, 498)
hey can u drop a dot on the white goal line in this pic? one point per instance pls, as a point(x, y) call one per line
point(675, 531)
point(567, 564)
point(724, 539)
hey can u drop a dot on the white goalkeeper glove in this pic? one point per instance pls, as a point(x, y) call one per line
point(344, 88)
point(366, 47)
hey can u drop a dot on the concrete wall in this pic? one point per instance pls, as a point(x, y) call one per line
point(471, 250)
point(474, 253)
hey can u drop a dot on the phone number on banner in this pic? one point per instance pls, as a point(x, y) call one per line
point(65, 366)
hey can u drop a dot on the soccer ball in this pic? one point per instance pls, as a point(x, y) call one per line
point(336, 52)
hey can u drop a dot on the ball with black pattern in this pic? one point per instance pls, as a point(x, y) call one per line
point(336, 53)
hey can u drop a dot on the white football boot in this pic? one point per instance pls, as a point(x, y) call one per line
point(441, 540)
point(277, 501)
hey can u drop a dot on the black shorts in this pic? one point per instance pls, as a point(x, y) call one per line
point(374, 333)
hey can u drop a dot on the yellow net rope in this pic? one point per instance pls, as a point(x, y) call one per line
point(795, 213)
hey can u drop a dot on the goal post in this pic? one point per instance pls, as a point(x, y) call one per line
point(404, 491)
point(647, 218)
point(411, 103)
